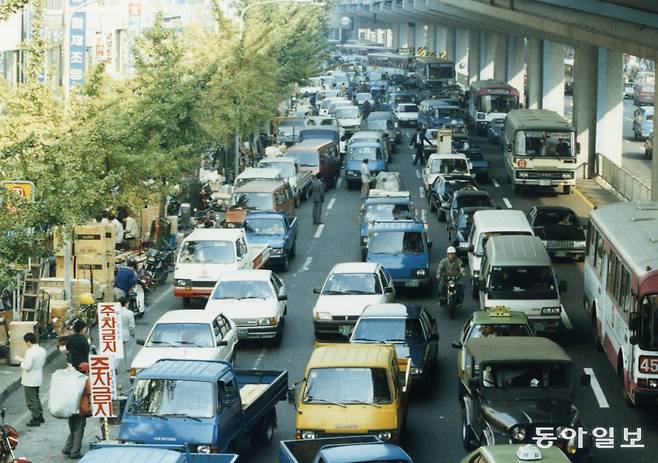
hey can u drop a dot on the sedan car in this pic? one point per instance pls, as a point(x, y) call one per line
point(459, 230)
point(410, 328)
point(442, 189)
point(255, 300)
point(559, 229)
point(469, 197)
point(188, 334)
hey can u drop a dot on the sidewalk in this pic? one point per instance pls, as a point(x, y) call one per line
point(594, 194)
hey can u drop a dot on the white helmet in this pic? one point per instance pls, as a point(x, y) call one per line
point(451, 250)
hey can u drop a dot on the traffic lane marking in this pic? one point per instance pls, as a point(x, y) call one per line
point(307, 264)
point(339, 182)
point(330, 206)
point(422, 192)
point(596, 388)
point(566, 321)
point(507, 203)
point(318, 231)
point(417, 173)
point(495, 182)
point(584, 198)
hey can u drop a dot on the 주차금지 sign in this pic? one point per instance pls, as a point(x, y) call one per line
point(103, 386)
point(109, 330)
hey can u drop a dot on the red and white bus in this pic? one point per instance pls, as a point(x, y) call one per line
point(621, 292)
point(489, 100)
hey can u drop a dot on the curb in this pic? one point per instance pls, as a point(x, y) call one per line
point(51, 352)
point(583, 197)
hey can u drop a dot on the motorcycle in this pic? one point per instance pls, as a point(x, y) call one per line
point(452, 300)
point(137, 295)
point(156, 268)
point(8, 443)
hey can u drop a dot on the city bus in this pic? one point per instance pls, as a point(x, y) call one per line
point(391, 63)
point(621, 293)
point(360, 51)
point(489, 100)
point(432, 74)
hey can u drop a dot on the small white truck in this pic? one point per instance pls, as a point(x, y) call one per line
point(299, 180)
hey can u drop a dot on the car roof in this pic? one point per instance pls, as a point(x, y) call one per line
point(517, 250)
point(246, 275)
point(516, 349)
point(355, 267)
point(395, 225)
point(188, 316)
point(491, 317)
point(260, 172)
point(367, 134)
point(286, 159)
point(553, 209)
point(188, 370)
point(446, 156)
point(263, 186)
point(471, 193)
point(375, 115)
point(388, 199)
point(127, 453)
point(351, 355)
point(393, 310)
point(214, 234)
point(506, 453)
point(506, 220)
point(367, 452)
point(266, 215)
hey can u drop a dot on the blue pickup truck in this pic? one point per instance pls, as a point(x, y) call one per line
point(356, 153)
point(276, 229)
point(383, 205)
point(403, 248)
point(351, 449)
point(103, 453)
point(203, 404)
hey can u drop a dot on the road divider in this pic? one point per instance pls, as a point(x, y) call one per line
point(596, 387)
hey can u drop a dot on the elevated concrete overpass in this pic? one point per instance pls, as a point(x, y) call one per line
point(515, 40)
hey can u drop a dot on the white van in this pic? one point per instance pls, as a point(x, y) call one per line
point(517, 273)
point(439, 164)
point(490, 223)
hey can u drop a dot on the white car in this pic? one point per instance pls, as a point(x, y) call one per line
point(348, 289)
point(443, 164)
point(188, 334)
point(406, 114)
point(255, 300)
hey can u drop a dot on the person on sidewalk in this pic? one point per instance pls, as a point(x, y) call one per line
point(77, 346)
point(32, 376)
point(127, 331)
point(317, 194)
point(78, 421)
point(365, 179)
point(418, 143)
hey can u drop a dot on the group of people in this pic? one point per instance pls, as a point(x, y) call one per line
point(126, 228)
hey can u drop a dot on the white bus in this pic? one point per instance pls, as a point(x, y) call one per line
point(489, 100)
point(621, 293)
point(391, 63)
point(540, 149)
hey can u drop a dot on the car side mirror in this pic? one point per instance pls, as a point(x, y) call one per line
point(317, 290)
point(456, 344)
point(283, 297)
point(222, 343)
point(585, 379)
point(140, 342)
point(562, 286)
point(388, 290)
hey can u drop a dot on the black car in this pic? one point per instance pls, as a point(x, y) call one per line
point(514, 387)
point(469, 197)
point(459, 230)
point(560, 230)
point(442, 189)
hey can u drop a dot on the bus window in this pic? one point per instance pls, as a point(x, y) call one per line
point(649, 328)
point(599, 254)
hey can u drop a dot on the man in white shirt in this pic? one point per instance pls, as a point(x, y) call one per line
point(127, 331)
point(131, 232)
point(118, 231)
point(32, 376)
point(365, 179)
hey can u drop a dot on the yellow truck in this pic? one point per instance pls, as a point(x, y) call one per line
point(353, 389)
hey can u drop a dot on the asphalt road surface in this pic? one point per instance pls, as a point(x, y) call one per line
point(434, 415)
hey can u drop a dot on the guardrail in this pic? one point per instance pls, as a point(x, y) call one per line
point(622, 181)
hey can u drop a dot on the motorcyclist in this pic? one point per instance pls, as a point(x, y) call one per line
point(125, 279)
point(450, 266)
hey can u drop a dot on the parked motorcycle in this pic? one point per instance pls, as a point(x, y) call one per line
point(8, 443)
point(137, 299)
point(157, 265)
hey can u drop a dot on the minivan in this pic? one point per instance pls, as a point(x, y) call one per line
point(317, 155)
point(643, 122)
point(259, 196)
point(517, 273)
point(356, 153)
point(644, 94)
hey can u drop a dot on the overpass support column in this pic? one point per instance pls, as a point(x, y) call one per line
point(516, 64)
point(395, 35)
point(461, 55)
point(534, 92)
point(432, 41)
point(584, 107)
point(500, 56)
point(419, 36)
point(553, 77)
point(403, 35)
point(441, 40)
point(654, 157)
point(473, 55)
point(609, 104)
point(486, 55)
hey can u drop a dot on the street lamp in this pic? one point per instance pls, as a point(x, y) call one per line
point(241, 30)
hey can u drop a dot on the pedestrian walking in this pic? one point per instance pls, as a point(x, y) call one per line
point(77, 345)
point(32, 376)
point(367, 109)
point(127, 331)
point(366, 178)
point(78, 421)
point(317, 194)
point(118, 231)
point(418, 143)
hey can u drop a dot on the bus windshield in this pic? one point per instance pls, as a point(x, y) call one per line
point(497, 103)
point(522, 282)
point(448, 113)
point(649, 330)
point(544, 143)
point(441, 71)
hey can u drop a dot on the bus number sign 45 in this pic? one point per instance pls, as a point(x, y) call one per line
point(648, 364)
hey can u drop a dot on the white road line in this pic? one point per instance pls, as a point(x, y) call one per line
point(507, 203)
point(596, 387)
point(417, 173)
point(422, 192)
point(307, 264)
point(260, 358)
point(331, 204)
point(318, 231)
point(495, 183)
point(565, 320)
point(339, 182)
point(423, 215)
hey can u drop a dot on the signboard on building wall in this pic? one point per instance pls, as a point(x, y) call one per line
point(77, 46)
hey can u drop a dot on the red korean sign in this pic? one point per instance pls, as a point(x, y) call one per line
point(109, 330)
point(102, 381)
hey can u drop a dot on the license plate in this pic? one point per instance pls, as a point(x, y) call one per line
point(243, 332)
point(560, 254)
point(345, 330)
point(543, 182)
point(412, 284)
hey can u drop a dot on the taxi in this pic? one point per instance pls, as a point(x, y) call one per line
point(513, 454)
point(499, 321)
point(383, 205)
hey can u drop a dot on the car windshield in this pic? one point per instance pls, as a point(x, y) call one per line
point(548, 144)
point(206, 252)
point(347, 386)
point(243, 290)
point(174, 398)
point(305, 158)
point(360, 153)
point(472, 201)
point(528, 375)
point(522, 282)
point(244, 180)
point(395, 242)
point(180, 335)
point(649, 328)
point(496, 103)
point(452, 185)
point(265, 226)
point(347, 113)
point(377, 124)
point(448, 113)
point(287, 169)
point(408, 108)
point(251, 200)
point(441, 71)
point(447, 166)
point(498, 330)
point(393, 330)
point(387, 212)
point(352, 283)
point(550, 217)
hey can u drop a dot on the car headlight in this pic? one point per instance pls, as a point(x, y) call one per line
point(307, 435)
point(384, 435)
point(267, 321)
point(323, 316)
point(277, 251)
point(421, 272)
point(181, 282)
point(522, 174)
point(579, 244)
point(518, 434)
point(551, 310)
point(416, 371)
point(352, 173)
point(567, 174)
point(203, 449)
point(364, 241)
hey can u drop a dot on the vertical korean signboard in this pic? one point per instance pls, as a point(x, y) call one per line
point(102, 366)
point(77, 48)
point(109, 330)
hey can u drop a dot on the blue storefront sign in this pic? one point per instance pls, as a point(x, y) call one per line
point(77, 45)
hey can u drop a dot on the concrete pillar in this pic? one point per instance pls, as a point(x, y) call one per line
point(441, 40)
point(432, 38)
point(584, 107)
point(500, 57)
point(419, 36)
point(473, 55)
point(553, 76)
point(486, 56)
point(461, 55)
point(654, 158)
point(515, 75)
point(403, 35)
point(395, 35)
point(450, 43)
point(534, 92)
point(610, 104)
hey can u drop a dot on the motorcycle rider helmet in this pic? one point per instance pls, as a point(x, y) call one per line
point(87, 299)
point(451, 250)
